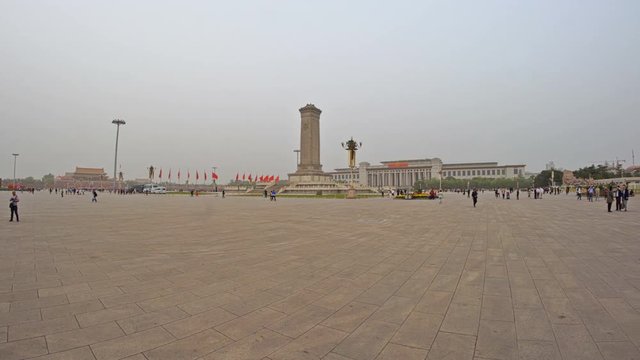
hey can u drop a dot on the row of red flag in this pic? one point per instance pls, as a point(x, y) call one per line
point(214, 176)
point(261, 178)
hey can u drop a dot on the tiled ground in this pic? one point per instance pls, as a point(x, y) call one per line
point(174, 277)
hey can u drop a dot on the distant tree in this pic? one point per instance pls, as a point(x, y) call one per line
point(544, 178)
point(599, 172)
point(451, 183)
point(48, 179)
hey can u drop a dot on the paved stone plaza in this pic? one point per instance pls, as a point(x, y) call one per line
point(175, 277)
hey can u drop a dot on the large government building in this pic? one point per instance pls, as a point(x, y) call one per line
point(405, 173)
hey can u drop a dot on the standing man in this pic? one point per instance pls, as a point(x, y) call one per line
point(95, 196)
point(609, 195)
point(625, 197)
point(474, 195)
point(13, 205)
point(618, 199)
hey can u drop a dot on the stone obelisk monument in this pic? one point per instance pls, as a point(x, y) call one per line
point(309, 169)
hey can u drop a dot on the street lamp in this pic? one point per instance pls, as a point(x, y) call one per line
point(297, 151)
point(118, 122)
point(352, 146)
point(15, 156)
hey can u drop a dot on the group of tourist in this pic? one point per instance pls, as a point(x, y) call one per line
point(620, 195)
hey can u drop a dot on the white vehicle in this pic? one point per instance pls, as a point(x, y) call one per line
point(154, 189)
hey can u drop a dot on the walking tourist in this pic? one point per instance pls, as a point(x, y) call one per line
point(13, 205)
point(273, 195)
point(609, 195)
point(618, 193)
point(474, 194)
point(95, 196)
point(625, 197)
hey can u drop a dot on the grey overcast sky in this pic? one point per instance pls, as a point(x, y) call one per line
point(219, 83)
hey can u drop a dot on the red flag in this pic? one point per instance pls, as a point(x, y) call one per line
point(169, 174)
point(271, 178)
point(249, 177)
point(205, 175)
point(214, 176)
point(278, 178)
point(160, 174)
point(197, 175)
point(237, 176)
point(243, 176)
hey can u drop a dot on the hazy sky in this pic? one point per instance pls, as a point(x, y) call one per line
point(219, 83)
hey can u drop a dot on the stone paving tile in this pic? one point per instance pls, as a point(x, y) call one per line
point(121, 347)
point(452, 346)
point(71, 309)
point(301, 321)
point(93, 294)
point(395, 310)
point(419, 330)
point(62, 290)
point(393, 352)
point(575, 342)
point(366, 341)
point(350, 317)
point(81, 337)
point(462, 319)
point(40, 328)
point(434, 302)
point(17, 317)
point(39, 303)
point(191, 347)
point(538, 350)
point(4, 332)
point(149, 320)
point(296, 301)
point(338, 298)
point(197, 323)
point(560, 311)
point(619, 350)
point(314, 344)
point(167, 301)
point(23, 349)
point(496, 340)
point(251, 303)
point(207, 303)
point(256, 346)
point(496, 308)
point(533, 324)
point(106, 315)
point(246, 325)
point(83, 353)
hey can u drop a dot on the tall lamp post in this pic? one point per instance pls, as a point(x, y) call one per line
point(15, 157)
point(352, 146)
point(118, 122)
point(297, 151)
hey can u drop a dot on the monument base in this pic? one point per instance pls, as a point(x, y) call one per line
point(317, 178)
point(352, 193)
